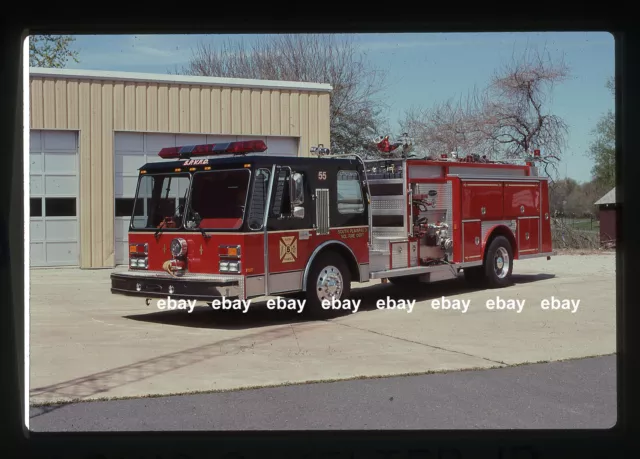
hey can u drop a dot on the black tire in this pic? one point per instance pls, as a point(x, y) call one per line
point(327, 263)
point(498, 263)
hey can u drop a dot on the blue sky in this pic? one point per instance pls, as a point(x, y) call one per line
point(423, 69)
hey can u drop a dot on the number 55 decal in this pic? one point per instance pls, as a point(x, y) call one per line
point(322, 175)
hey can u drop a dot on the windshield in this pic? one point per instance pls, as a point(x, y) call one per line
point(162, 198)
point(218, 199)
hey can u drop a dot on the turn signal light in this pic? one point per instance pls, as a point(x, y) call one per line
point(139, 248)
point(229, 251)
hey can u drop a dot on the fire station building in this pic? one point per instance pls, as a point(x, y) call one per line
point(92, 130)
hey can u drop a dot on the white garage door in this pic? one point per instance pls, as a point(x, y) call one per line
point(133, 149)
point(53, 185)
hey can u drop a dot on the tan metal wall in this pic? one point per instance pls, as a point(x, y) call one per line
point(97, 108)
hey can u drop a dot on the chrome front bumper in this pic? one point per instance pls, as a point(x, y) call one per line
point(159, 284)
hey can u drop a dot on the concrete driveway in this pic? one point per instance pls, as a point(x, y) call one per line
point(87, 344)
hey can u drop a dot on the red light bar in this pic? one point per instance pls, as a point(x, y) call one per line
point(237, 148)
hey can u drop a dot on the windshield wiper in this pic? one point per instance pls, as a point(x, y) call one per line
point(197, 220)
point(204, 234)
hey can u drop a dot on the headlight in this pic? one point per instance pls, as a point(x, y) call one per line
point(138, 262)
point(229, 266)
point(178, 247)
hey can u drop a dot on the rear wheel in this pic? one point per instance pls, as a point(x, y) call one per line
point(329, 280)
point(498, 264)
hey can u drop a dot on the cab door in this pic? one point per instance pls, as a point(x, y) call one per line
point(289, 231)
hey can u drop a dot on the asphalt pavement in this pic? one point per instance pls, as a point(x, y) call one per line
point(573, 394)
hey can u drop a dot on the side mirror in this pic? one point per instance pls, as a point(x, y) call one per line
point(298, 212)
point(297, 189)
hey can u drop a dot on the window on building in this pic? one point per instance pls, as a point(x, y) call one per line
point(124, 207)
point(60, 207)
point(35, 205)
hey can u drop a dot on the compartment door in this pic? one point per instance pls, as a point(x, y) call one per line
point(528, 235)
point(472, 241)
point(521, 200)
point(482, 200)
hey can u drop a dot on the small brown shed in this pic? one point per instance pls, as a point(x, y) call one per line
point(608, 209)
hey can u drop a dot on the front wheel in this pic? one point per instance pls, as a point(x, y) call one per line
point(328, 286)
point(498, 264)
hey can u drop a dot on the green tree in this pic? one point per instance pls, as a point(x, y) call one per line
point(51, 51)
point(603, 148)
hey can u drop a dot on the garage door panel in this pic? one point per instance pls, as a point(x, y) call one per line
point(156, 142)
point(36, 186)
point(121, 228)
point(128, 162)
point(221, 138)
point(187, 139)
point(53, 183)
point(61, 252)
point(129, 141)
point(126, 187)
point(60, 162)
point(36, 254)
point(59, 141)
point(61, 185)
point(122, 252)
point(35, 143)
point(35, 163)
point(36, 230)
point(282, 146)
point(61, 230)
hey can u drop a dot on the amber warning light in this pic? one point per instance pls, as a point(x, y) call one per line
point(234, 148)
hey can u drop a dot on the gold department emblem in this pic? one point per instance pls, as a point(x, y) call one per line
point(288, 249)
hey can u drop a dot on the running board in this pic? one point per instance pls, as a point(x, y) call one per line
point(439, 272)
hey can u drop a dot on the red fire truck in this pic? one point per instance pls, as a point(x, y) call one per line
point(225, 220)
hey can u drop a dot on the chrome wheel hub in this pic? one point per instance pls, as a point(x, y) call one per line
point(501, 262)
point(329, 284)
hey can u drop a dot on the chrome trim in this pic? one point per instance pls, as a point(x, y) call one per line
point(323, 208)
point(266, 232)
point(183, 247)
point(285, 282)
point(527, 218)
point(471, 221)
point(540, 221)
point(315, 253)
point(488, 170)
point(195, 277)
point(414, 271)
point(502, 178)
point(364, 272)
point(410, 201)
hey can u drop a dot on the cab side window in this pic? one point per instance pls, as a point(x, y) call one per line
point(350, 198)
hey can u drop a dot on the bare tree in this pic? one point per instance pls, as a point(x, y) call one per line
point(51, 50)
point(508, 119)
point(355, 112)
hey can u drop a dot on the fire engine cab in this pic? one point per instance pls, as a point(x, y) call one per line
point(223, 220)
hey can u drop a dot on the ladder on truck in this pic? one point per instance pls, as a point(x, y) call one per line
point(388, 214)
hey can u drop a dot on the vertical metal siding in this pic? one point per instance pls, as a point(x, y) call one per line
point(97, 108)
